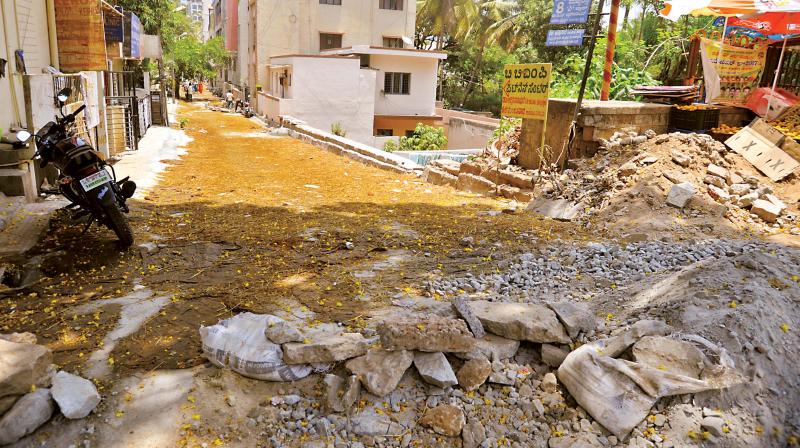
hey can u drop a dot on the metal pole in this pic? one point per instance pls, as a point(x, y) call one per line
point(610, 46)
point(586, 70)
point(775, 81)
point(162, 77)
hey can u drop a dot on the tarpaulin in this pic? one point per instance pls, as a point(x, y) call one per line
point(674, 9)
point(771, 25)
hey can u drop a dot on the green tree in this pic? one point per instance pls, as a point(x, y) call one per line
point(193, 59)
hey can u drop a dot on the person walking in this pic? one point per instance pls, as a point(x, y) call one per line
point(229, 100)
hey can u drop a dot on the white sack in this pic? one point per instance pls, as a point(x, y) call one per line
point(239, 343)
point(620, 393)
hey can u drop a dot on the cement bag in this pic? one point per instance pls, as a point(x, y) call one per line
point(239, 344)
point(620, 393)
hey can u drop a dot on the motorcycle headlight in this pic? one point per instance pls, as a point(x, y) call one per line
point(23, 136)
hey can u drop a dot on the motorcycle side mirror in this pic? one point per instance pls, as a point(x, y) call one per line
point(23, 136)
point(63, 95)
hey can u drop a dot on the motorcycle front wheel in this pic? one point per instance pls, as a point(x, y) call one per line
point(119, 224)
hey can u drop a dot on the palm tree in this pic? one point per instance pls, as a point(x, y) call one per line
point(448, 17)
point(497, 22)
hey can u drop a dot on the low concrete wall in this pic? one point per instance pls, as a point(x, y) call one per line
point(349, 148)
point(598, 120)
point(466, 130)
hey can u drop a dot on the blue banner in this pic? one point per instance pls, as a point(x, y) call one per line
point(567, 12)
point(133, 36)
point(564, 38)
point(113, 25)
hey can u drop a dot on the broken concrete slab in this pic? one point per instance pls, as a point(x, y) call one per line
point(718, 171)
point(766, 210)
point(680, 194)
point(462, 308)
point(435, 369)
point(520, 321)
point(334, 390)
point(715, 181)
point(576, 317)
point(493, 348)
point(475, 184)
point(681, 158)
point(474, 373)
point(439, 176)
point(23, 365)
point(28, 413)
point(352, 392)
point(718, 193)
point(429, 334)
point(380, 370)
point(325, 348)
point(445, 419)
point(675, 177)
point(76, 396)
point(558, 209)
point(739, 189)
point(775, 200)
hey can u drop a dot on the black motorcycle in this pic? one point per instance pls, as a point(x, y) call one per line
point(83, 178)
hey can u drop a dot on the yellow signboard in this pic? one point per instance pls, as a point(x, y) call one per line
point(526, 88)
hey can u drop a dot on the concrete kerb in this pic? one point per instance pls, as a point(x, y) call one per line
point(349, 148)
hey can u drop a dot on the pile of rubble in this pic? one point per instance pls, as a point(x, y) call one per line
point(487, 372)
point(31, 388)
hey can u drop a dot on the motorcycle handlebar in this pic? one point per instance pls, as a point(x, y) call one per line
point(72, 115)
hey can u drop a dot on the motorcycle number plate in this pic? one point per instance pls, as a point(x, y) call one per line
point(95, 180)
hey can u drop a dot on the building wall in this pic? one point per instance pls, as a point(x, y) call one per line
point(293, 27)
point(421, 99)
point(401, 125)
point(31, 35)
point(345, 88)
point(243, 43)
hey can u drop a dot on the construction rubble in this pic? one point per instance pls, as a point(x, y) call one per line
point(633, 178)
point(32, 390)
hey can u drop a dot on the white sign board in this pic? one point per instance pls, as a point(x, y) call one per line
point(151, 46)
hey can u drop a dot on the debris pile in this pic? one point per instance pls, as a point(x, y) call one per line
point(29, 386)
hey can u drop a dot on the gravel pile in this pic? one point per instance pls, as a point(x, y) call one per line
point(558, 269)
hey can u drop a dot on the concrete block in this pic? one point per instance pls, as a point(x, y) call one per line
point(475, 184)
point(680, 194)
point(559, 209)
point(775, 200)
point(766, 210)
point(718, 194)
point(438, 177)
point(715, 181)
point(716, 170)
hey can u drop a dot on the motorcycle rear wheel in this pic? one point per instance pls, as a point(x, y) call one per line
point(119, 224)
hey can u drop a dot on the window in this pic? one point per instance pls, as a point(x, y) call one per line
point(397, 5)
point(409, 133)
point(393, 42)
point(330, 2)
point(385, 132)
point(396, 83)
point(328, 41)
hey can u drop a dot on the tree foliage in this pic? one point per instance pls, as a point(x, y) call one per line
point(481, 36)
point(193, 59)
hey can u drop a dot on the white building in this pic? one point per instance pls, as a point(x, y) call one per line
point(281, 27)
point(198, 12)
point(374, 93)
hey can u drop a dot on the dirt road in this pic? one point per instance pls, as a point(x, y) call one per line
point(250, 222)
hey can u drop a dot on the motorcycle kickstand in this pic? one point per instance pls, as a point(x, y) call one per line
point(88, 224)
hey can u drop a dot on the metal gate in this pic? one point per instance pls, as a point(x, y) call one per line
point(121, 124)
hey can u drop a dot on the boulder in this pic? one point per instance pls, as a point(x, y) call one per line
point(444, 419)
point(28, 413)
point(434, 369)
point(575, 316)
point(714, 425)
point(283, 332)
point(766, 210)
point(22, 365)
point(680, 194)
point(474, 373)
point(520, 321)
point(429, 334)
point(76, 396)
point(325, 348)
point(552, 355)
point(473, 434)
point(379, 370)
point(493, 348)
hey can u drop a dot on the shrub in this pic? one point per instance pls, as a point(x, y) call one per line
point(183, 122)
point(390, 146)
point(337, 129)
point(425, 138)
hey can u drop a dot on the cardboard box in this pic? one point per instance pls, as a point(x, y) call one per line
point(760, 144)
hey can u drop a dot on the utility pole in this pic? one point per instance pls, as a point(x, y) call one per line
point(610, 47)
point(162, 77)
